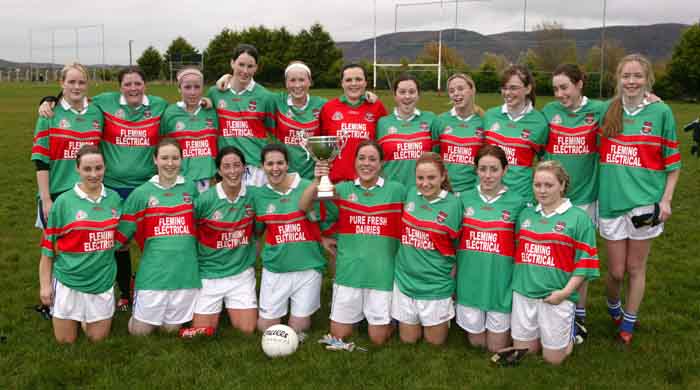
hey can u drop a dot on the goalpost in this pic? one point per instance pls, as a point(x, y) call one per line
point(50, 48)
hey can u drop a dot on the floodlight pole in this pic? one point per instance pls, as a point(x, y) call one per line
point(374, 64)
point(130, 57)
point(439, 72)
point(525, 16)
point(602, 51)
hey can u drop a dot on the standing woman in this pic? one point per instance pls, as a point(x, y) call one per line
point(353, 114)
point(485, 253)
point(422, 297)
point(194, 127)
point(519, 129)
point(244, 109)
point(639, 168)
point(365, 220)
point(407, 133)
point(556, 252)
point(132, 122)
point(159, 214)
point(291, 257)
point(461, 133)
point(226, 247)
point(57, 139)
point(296, 112)
point(77, 270)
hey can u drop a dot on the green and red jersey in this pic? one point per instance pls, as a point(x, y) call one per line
point(290, 123)
point(522, 139)
point(292, 239)
point(79, 237)
point(486, 249)
point(197, 135)
point(245, 119)
point(573, 141)
point(459, 140)
point(404, 141)
point(225, 236)
point(552, 249)
point(58, 139)
point(367, 225)
point(634, 164)
point(358, 121)
point(130, 138)
point(427, 252)
point(162, 222)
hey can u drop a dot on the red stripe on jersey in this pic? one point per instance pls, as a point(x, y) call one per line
point(633, 151)
point(380, 220)
point(38, 149)
point(159, 210)
point(487, 225)
point(225, 235)
point(519, 152)
point(121, 132)
point(288, 130)
point(572, 141)
point(459, 150)
point(121, 238)
point(587, 263)
point(582, 246)
point(87, 240)
point(405, 146)
point(288, 228)
point(499, 241)
point(45, 243)
point(166, 225)
point(415, 236)
point(429, 225)
point(41, 134)
point(64, 144)
point(549, 250)
point(248, 124)
point(196, 143)
point(83, 224)
point(672, 159)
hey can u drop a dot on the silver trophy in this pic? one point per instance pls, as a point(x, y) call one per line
point(324, 148)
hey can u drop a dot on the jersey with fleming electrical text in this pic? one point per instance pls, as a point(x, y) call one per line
point(459, 140)
point(196, 134)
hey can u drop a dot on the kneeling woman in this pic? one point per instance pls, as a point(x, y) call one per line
point(292, 259)
point(77, 268)
point(159, 214)
point(485, 253)
point(226, 247)
point(422, 298)
point(556, 253)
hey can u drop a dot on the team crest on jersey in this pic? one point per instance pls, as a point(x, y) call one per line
point(147, 114)
point(217, 215)
point(210, 123)
point(96, 124)
point(448, 129)
point(337, 116)
point(252, 105)
point(289, 113)
point(495, 127)
point(115, 213)
point(186, 197)
point(441, 216)
point(313, 216)
point(646, 129)
point(424, 126)
point(179, 125)
point(556, 119)
point(352, 197)
point(270, 208)
point(469, 212)
point(221, 103)
point(64, 124)
point(392, 130)
point(505, 215)
point(479, 132)
point(81, 215)
point(316, 112)
point(249, 210)
point(559, 227)
point(525, 134)
point(526, 224)
point(410, 207)
point(120, 113)
point(153, 201)
point(589, 119)
point(369, 117)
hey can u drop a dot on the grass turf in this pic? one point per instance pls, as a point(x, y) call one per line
point(663, 355)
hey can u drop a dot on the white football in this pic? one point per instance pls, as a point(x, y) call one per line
point(279, 340)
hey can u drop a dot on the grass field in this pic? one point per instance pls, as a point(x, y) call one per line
point(664, 353)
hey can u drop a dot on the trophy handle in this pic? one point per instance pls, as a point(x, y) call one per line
point(343, 136)
point(303, 142)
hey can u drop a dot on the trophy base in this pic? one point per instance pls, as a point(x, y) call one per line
point(325, 194)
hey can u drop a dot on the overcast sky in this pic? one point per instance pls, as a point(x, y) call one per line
point(158, 22)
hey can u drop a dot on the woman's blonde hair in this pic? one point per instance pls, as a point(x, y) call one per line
point(80, 68)
point(559, 172)
point(612, 122)
point(470, 82)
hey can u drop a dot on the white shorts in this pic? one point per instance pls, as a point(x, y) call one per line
point(303, 288)
point(478, 321)
point(165, 307)
point(621, 228)
point(533, 319)
point(592, 210)
point(420, 311)
point(70, 304)
point(202, 185)
point(351, 305)
point(236, 292)
point(255, 176)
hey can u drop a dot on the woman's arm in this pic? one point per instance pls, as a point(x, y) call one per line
point(45, 285)
point(665, 203)
point(42, 181)
point(558, 296)
point(307, 198)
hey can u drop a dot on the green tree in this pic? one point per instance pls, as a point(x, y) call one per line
point(684, 68)
point(151, 62)
point(317, 49)
point(218, 54)
point(179, 52)
point(613, 54)
point(553, 47)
